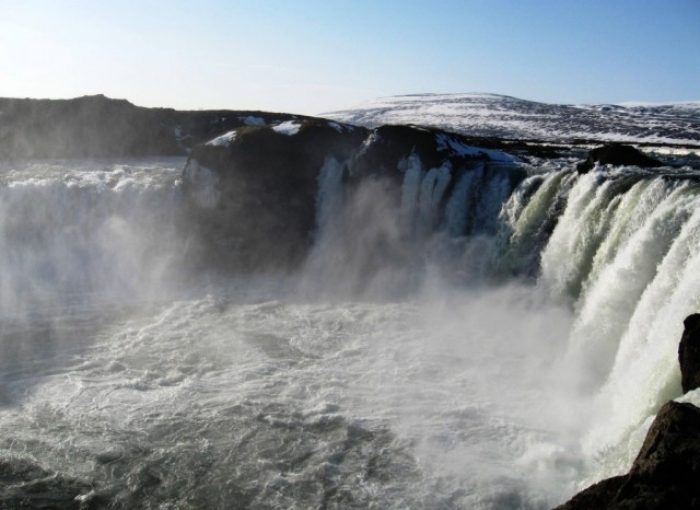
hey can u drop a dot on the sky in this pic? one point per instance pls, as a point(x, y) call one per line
point(314, 56)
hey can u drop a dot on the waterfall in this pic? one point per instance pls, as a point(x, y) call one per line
point(608, 304)
point(412, 169)
point(461, 201)
point(528, 225)
point(492, 195)
point(644, 345)
point(620, 246)
point(105, 228)
point(329, 196)
point(432, 189)
point(579, 232)
point(506, 329)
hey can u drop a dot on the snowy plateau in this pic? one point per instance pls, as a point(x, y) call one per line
point(499, 116)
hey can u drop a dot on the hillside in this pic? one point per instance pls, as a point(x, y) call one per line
point(491, 115)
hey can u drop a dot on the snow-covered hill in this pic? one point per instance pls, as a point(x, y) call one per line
point(500, 116)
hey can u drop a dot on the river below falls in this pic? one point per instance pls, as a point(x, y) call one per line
point(240, 397)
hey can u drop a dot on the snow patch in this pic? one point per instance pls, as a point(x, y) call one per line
point(367, 143)
point(289, 128)
point(446, 142)
point(223, 140)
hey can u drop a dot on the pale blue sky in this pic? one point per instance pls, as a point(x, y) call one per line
point(310, 56)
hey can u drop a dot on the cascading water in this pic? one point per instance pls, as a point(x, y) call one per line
point(85, 228)
point(460, 204)
point(501, 390)
point(432, 189)
point(330, 181)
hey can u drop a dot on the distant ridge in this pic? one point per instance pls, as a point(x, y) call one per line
point(99, 126)
point(494, 115)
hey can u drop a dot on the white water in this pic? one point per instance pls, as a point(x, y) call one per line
point(460, 203)
point(314, 390)
point(410, 189)
point(100, 227)
point(432, 189)
point(330, 188)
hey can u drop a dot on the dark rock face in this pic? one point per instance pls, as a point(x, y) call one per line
point(97, 126)
point(617, 154)
point(689, 353)
point(265, 184)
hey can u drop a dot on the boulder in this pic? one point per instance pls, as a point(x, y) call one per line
point(616, 154)
point(689, 353)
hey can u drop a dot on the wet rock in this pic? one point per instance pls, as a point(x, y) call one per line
point(616, 154)
point(689, 353)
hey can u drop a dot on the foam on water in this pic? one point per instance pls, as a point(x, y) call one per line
point(304, 395)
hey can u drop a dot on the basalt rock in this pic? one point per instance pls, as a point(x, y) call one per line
point(689, 353)
point(616, 154)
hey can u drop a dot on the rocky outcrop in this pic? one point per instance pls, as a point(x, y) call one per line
point(689, 353)
point(616, 154)
point(253, 191)
point(666, 471)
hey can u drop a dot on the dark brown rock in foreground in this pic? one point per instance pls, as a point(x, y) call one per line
point(616, 154)
point(689, 353)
